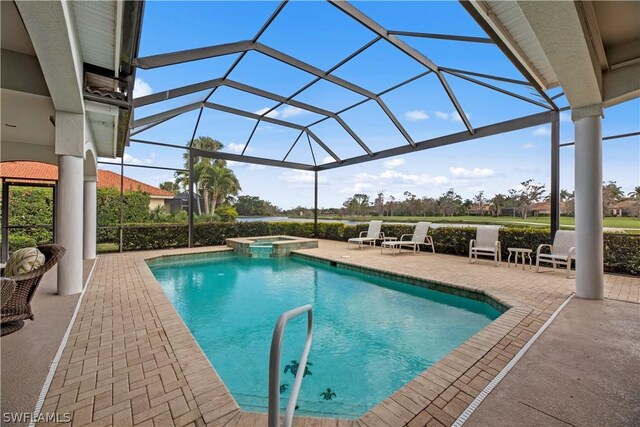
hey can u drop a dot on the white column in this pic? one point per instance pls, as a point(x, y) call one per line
point(69, 223)
point(588, 207)
point(89, 243)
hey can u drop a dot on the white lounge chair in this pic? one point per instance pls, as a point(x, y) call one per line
point(413, 241)
point(563, 250)
point(368, 237)
point(486, 243)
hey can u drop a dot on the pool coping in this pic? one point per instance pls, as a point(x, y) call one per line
point(217, 404)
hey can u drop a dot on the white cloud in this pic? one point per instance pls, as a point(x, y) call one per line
point(529, 146)
point(237, 148)
point(397, 177)
point(290, 111)
point(327, 159)
point(299, 178)
point(363, 177)
point(453, 116)
point(141, 88)
point(129, 159)
point(250, 166)
point(273, 114)
point(393, 163)
point(416, 115)
point(541, 131)
point(358, 187)
point(472, 173)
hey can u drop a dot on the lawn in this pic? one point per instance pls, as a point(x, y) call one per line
point(532, 221)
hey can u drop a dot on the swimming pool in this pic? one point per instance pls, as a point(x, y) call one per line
point(371, 335)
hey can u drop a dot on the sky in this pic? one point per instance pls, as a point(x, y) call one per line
point(319, 34)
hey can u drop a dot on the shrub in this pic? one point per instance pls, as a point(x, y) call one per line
point(226, 213)
point(621, 251)
point(155, 237)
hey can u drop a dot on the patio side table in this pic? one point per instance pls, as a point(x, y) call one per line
point(522, 252)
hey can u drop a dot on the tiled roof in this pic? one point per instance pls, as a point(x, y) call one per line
point(47, 172)
point(626, 204)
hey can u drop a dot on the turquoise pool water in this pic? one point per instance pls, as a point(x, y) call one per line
point(371, 335)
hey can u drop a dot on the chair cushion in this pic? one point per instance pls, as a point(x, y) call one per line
point(24, 261)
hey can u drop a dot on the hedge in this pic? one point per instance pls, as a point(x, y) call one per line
point(621, 251)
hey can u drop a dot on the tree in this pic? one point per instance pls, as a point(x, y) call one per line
point(170, 186)
point(391, 205)
point(497, 202)
point(635, 193)
point(479, 201)
point(529, 192)
point(378, 203)
point(450, 203)
point(203, 173)
point(221, 182)
point(611, 194)
point(254, 206)
point(358, 204)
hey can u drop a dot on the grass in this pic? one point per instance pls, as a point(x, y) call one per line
point(107, 247)
point(566, 222)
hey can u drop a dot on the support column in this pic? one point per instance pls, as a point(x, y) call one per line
point(315, 205)
point(190, 219)
point(555, 174)
point(69, 223)
point(588, 205)
point(89, 244)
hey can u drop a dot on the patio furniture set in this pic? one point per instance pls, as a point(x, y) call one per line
point(486, 243)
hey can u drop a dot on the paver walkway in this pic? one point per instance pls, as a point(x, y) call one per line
point(131, 360)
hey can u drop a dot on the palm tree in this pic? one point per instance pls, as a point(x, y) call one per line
point(635, 194)
point(201, 165)
point(218, 182)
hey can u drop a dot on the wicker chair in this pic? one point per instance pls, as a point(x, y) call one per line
point(7, 288)
point(18, 306)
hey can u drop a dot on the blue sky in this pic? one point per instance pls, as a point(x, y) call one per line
point(321, 35)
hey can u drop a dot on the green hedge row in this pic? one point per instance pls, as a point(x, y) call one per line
point(621, 251)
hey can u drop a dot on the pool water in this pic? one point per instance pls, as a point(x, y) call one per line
point(371, 335)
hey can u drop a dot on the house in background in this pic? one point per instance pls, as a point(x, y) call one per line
point(158, 196)
point(626, 208)
point(106, 179)
point(544, 209)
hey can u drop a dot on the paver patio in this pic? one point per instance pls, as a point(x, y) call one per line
point(131, 360)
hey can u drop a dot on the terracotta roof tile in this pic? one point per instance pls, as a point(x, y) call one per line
point(47, 172)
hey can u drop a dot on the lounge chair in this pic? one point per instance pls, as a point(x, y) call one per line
point(486, 243)
point(413, 241)
point(563, 250)
point(368, 237)
point(18, 307)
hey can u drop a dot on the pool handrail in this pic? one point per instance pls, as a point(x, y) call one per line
point(274, 366)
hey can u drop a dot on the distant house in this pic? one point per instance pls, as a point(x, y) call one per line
point(158, 196)
point(106, 179)
point(626, 208)
point(180, 202)
point(544, 208)
point(484, 210)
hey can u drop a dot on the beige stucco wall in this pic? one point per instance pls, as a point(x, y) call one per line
point(154, 203)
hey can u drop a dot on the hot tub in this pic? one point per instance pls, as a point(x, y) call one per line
point(270, 246)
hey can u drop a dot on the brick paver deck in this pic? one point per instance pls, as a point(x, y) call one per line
point(130, 359)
